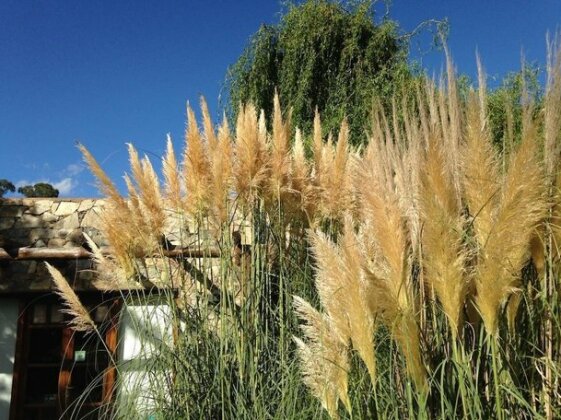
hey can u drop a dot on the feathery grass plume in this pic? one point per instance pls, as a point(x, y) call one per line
point(149, 195)
point(444, 255)
point(410, 180)
point(117, 230)
point(221, 175)
point(552, 146)
point(333, 176)
point(324, 358)
point(195, 169)
point(482, 91)
point(80, 318)
point(250, 154)
point(317, 145)
point(301, 185)
point(521, 207)
point(329, 281)
point(423, 109)
point(511, 309)
point(105, 184)
point(116, 216)
point(360, 318)
point(394, 307)
point(400, 159)
point(388, 286)
point(209, 132)
point(341, 289)
point(453, 136)
point(172, 180)
point(481, 175)
point(141, 238)
point(552, 106)
point(317, 171)
point(279, 157)
point(137, 222)
point(431, 94)
point(110, 273)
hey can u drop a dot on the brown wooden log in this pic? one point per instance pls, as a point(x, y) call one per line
point(211, 252)
point(187, 252)
point(4, 255)
point(53, 253)
point(81, 253)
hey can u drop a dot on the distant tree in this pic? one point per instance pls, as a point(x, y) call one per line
point(6, 186)
point(505, 104)
point(325, 54)
point(41, 189)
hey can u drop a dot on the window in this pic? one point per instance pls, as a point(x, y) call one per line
point(61, 372)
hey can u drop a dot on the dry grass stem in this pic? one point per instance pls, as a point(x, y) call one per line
point(80, 318)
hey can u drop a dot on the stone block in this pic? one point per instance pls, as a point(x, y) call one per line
point(92, 218)
point(68, 223)
point(39, 207)
point(35, 235)
point(62, 233)
point(85, 205)
point(66, 207)
point(11, 211)
point(7, 223)
point(96, 236)
point(30, 221)
point(75, 237)
point(56, 243)
point(48, 217)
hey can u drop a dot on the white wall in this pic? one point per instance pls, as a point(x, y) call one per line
point(9, 309)
point(144, 331)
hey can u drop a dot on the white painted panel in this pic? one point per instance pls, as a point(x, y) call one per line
point(9, 309)
point(144, 331)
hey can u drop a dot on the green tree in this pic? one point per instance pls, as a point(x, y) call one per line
point(322, 54)
point(6, 186)
point(41, 189)
point(505, 104)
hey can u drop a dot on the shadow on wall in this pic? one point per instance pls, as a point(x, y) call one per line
point(46, 223)
point(8, 330)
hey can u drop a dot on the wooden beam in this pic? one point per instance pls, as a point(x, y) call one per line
point(79, 252)
point(53, 253)
point(187, 252)
point(192, 252)
point(4, 255)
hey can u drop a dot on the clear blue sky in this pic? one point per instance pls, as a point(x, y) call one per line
point(110, 72)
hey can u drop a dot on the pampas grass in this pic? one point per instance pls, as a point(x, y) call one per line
point(425, 263)
point(80, 319)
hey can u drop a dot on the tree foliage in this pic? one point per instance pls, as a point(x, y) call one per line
point(41, 189)
point(506, 102)
point(6, 186)
point(325, 55)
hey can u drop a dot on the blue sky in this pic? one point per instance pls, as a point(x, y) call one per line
point(110, 72)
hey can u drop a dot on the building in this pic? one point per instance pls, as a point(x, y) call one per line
point(47, 369)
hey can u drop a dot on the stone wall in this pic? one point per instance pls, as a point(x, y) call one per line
point(53, 223)
point(39, 223)
point(42, 223)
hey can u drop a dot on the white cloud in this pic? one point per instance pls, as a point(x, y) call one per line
point(65, 186)
point(74, 169)
point(22, 183)
point(65, 180)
